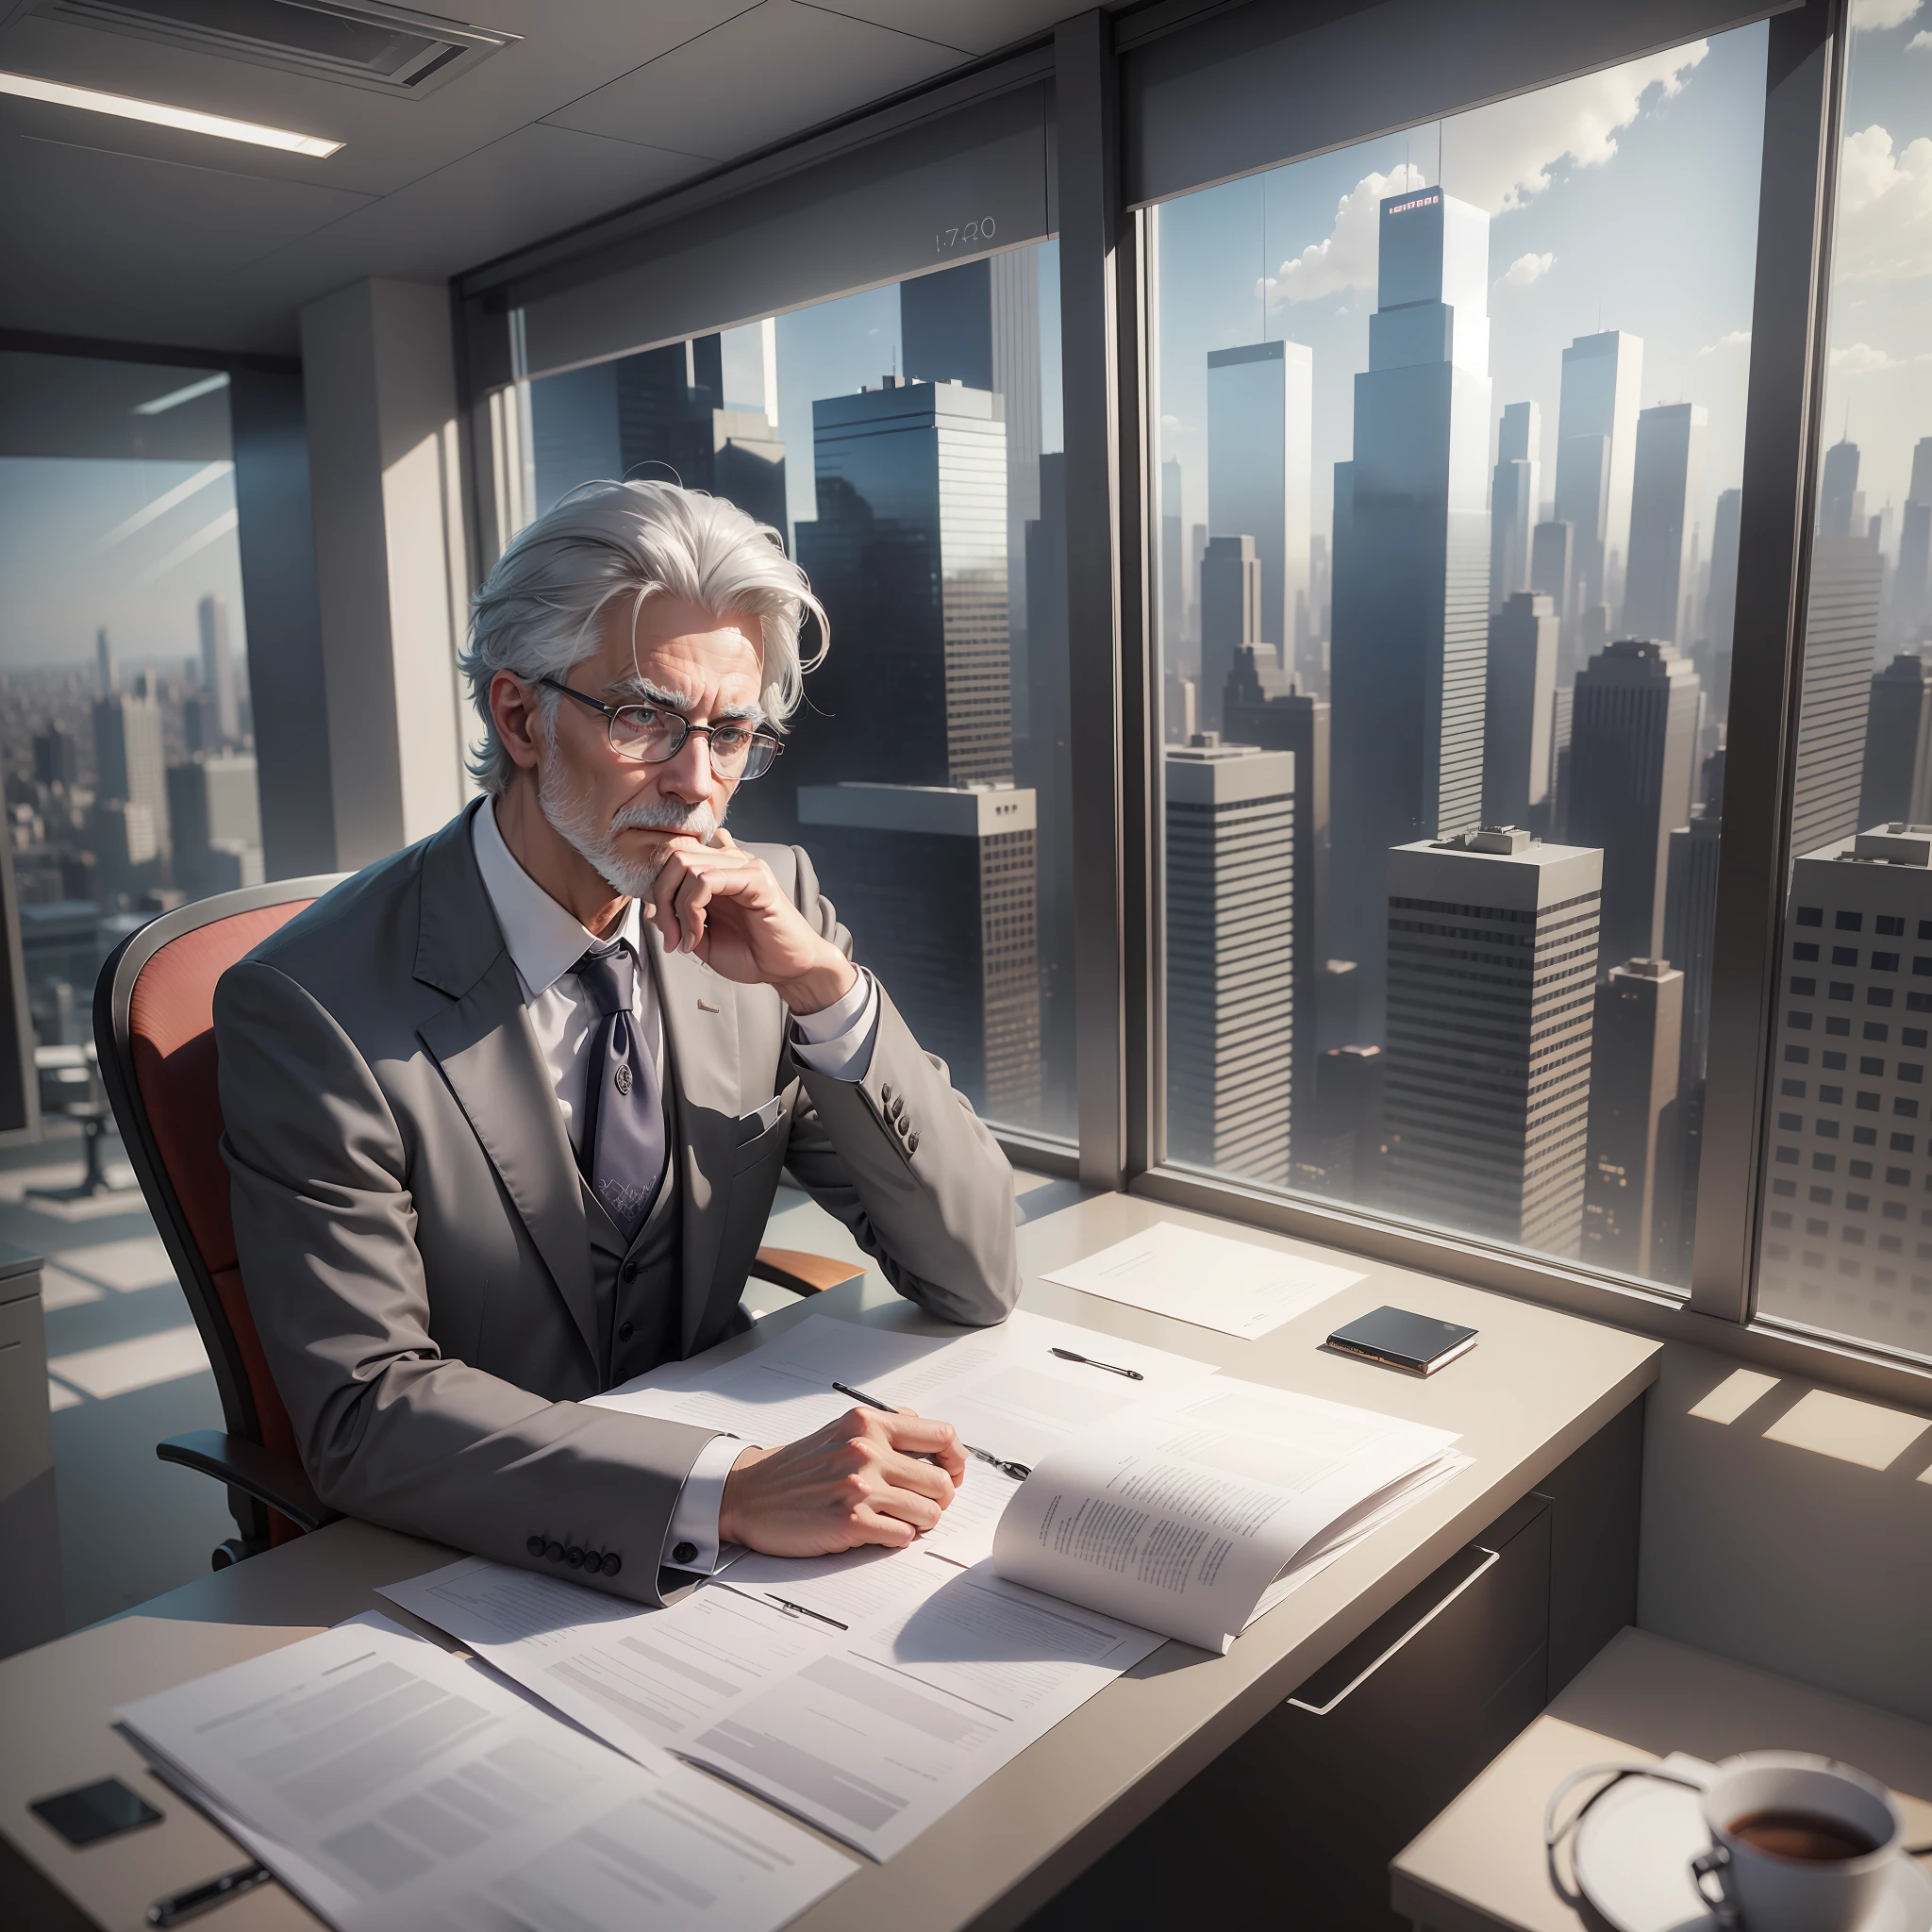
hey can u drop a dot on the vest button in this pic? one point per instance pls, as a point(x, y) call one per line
point(629, 1269)
point(625, 1330)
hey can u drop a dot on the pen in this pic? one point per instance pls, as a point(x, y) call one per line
point(1018, 1471)
point(181, 1905)
point(1067, 1355)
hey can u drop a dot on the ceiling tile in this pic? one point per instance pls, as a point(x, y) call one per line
point(779, 68)
point(983, 27)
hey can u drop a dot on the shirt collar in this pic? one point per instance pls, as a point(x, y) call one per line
point(545, 941)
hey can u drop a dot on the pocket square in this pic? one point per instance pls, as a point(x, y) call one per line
point(761, 1120)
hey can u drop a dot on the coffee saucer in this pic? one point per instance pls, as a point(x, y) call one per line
point(1633, 1852)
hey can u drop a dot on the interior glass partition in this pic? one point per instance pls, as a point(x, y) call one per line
point(1448, 434)
point(1846, 1235)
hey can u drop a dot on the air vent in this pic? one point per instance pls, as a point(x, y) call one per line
point(386, 48)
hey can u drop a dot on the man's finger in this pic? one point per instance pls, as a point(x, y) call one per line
point(871, 1526)
point(906, 1506)
point(927, 1479)
point(919, 1435)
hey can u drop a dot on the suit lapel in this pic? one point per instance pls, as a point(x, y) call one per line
point(484, 1044)
point(700, 1013)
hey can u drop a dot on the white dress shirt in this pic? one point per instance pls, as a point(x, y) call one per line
point(546, 941)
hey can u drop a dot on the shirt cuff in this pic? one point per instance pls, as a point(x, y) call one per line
point(691, 1541)
point(837, 1041)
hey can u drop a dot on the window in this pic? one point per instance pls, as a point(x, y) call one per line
point(904, 444)
point(1448, 427)
point(1861, 850)
point(124, 720)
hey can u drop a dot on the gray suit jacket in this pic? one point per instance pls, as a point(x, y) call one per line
point(412, 1226)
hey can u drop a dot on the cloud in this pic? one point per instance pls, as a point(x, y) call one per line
point(1526, 268)
point(1860, 359)
point(1347, 259)
point(1885, 208)
point(1920, 43)
point(1871, 15)
point(1736, 339)
point(1503, 156)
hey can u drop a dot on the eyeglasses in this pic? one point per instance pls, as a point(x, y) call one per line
point(651, 734)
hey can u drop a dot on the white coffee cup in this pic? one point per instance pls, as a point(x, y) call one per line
point(1772, 1891)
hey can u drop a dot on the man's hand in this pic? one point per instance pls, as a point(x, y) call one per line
point(857, 1480)
point(722, 903)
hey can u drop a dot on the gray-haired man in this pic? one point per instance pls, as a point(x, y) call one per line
point(505, 1112)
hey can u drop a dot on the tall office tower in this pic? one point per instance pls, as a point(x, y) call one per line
point(1231, 580)
point(1690, 929)
point(1912, 587)
point(1562, 716)
point(1262, 706)
point(978, 323)
point(128, 761)
point(1667, 485)
point(1838, 491)
point(941, 882)
point(1044, 764)
point(1633, 750)
point(1849, 1158)
point(1897, 781)
point(1635, 1056)
point(1260, 412)
point(1720, 608)
point(201, 721)
point(1522, 682)
point(121, 836)
point(1840, 640)
point(215, 820)
point(1174, 581)
point(56, 756)
point(218, 664)
point(1320, 595)
point(1597, 435)
point(1340, 1154)
point(1230, 958)
point(1552, 565)
point(1411, 566)
point(1493, 945)
point(1197, 549)
point(1513, 489)
point(106, 673)
point(909, 554)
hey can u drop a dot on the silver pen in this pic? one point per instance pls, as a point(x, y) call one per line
point(1018, 1471)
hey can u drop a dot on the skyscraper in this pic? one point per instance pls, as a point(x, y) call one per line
point(1841, 638)
point(1411, 565)
point(1667, 485)
point(1633, 749)
point(1231, 582)
point(1260, 404)
point(1634, 1066)
point(106, 674)
point(1848, 1158)
point(215, 819)
point(128, 761)
point(1897, 782)
point(1721, 612)
point(1340, 1151)
point(1493, 945)
point(1838, 493)
point(1174, 581)
point(218, 665)
point(1597, 434)
point(1513, 491)
point(940, 881)
point(1230, 958)
point(1690, 929)
point(1912, 588)
point(1517, 712)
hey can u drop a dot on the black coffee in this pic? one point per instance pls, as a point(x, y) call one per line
point(1802, 1834)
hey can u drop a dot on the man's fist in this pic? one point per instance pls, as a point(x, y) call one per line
point(858, 1480)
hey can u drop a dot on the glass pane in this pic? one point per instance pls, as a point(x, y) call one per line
point(123, 677)
point(906, 444)
point(1450, 427)
point(1846, 1240)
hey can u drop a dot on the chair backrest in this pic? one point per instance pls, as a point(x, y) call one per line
point(153, 1030)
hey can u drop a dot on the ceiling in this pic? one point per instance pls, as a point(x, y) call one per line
point(114, 228)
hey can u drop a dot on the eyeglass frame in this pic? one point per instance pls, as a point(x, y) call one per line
point(612, 712)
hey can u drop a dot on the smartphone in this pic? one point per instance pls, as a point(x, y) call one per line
point(1399, 1339)
point(92, 1812)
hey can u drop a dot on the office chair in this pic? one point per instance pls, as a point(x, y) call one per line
point(154, 1029)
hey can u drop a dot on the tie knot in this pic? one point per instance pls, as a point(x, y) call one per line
point(604, 983)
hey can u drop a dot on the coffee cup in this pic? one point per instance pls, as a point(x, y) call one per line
point(1797, 1843)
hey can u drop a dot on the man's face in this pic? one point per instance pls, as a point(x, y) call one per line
point(619, 813)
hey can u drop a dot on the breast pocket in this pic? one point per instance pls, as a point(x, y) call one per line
point(761, 1135)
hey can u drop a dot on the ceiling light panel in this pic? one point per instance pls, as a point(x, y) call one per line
point(389, 49)
point(160, 114)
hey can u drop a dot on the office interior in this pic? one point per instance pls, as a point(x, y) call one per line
point(1429, 507)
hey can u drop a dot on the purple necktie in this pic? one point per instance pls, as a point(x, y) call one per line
point(623, 1148)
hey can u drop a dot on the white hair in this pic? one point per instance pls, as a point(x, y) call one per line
point(603, 541)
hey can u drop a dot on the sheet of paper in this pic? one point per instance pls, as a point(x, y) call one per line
point(392, 1786)
point(1237, 1287)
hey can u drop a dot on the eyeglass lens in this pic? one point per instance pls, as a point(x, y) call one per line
point(651, 735)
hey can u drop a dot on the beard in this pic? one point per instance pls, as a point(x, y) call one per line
point(565, 802)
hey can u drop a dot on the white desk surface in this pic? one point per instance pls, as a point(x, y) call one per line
point(1480, 1866)
point(1538, 1385)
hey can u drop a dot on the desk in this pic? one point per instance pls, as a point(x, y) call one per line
point(1480, 1867)
point(1538, 1386)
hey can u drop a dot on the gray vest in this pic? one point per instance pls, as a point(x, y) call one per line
point(640, 1288)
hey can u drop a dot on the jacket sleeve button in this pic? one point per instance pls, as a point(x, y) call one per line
point(593, 1561)
point(554, 1552)
point(912, 1143)
point(535, 1546)
point(685, 1553)
point(885, 1093)
point(574, 1557)
point(612, 1563)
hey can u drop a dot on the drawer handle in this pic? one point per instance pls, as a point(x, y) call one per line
point(1491, 1558)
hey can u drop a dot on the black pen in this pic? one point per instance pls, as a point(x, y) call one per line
point(1067, 1355)
point(1018, 1471)
point(181, 1905)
